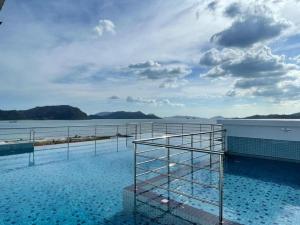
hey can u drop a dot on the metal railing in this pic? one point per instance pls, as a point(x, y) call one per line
point(156, 129)
point(183, 168)
point(65, 141)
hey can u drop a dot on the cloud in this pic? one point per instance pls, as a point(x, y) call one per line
point(233, 10)
point(156, 102)
point(114, 97)
point(255, 72)
point(212, 6)
point(173, 83)
point(105, 26)
point(171, 75)
point(165, 72)
point(256, 82)
point(297, 59)
point(144, 65)
point(131, 99)
point(251, 26)
point(214, 57)
point(288, 92)
point(259, 63)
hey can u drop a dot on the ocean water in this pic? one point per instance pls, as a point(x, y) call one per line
point(59, 123)
point(61, 129)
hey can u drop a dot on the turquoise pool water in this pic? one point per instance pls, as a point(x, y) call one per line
point(87, 189)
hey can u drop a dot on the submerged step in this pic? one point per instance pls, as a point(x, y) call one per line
point(155, 206)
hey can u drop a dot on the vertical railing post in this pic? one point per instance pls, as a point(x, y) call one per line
point(29, 155)
point(95, 150)
point(68, 143)
point(210, 148)
point(33, 141)
point(192, 152)
point(224, 142)
point(134, 172)
point(117, 138)
point(140, 130)
point(168, 166)
point(136, 132)
point(213, 137)
point(182, 133)
point(166, 131)
point(221, 178)
point(200, 130)
point(126, 135)
point(30, 134)
point(192, 164)
point(152, 132)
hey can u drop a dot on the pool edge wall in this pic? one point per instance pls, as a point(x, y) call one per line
point(16, 148)
point(262, 138)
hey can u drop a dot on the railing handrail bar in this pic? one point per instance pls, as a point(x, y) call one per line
point(179, 147)
point(65, 126)
point(179, 123)
point(27, 128)
point(176, 135)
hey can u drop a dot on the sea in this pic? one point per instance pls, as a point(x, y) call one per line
point(60, 123)
point(56, 129)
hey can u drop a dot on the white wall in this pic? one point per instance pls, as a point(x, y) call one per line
point(267, 129)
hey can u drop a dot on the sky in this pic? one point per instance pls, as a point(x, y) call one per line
point(170, 57)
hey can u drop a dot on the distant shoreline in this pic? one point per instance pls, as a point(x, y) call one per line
point(66, 112)
point(75, 139)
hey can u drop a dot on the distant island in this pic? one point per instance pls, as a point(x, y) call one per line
point(183, 117)
point(66, 112)
point(193, 117)
point(60, 112)
point(123, 115)
point(275, 116)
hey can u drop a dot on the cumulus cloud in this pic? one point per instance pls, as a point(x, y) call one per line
point(165, 73)
point(156, 102)
point(105, 26)
point(256, 72)
point(259, 63)
point(214, 57)
point(145, 65)
point(171, 75)
point(251, 26)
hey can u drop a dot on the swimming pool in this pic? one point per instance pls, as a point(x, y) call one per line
point(88, 189)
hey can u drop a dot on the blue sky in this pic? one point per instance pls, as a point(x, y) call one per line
point(170, 57)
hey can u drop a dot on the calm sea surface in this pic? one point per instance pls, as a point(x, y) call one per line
point(59, 123)
point(57, 129)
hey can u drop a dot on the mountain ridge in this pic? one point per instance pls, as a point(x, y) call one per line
point(275, 116)
point(67, 112)
point(123, 115)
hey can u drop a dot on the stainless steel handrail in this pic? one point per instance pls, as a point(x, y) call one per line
point(176, 135)
point(162, 154)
